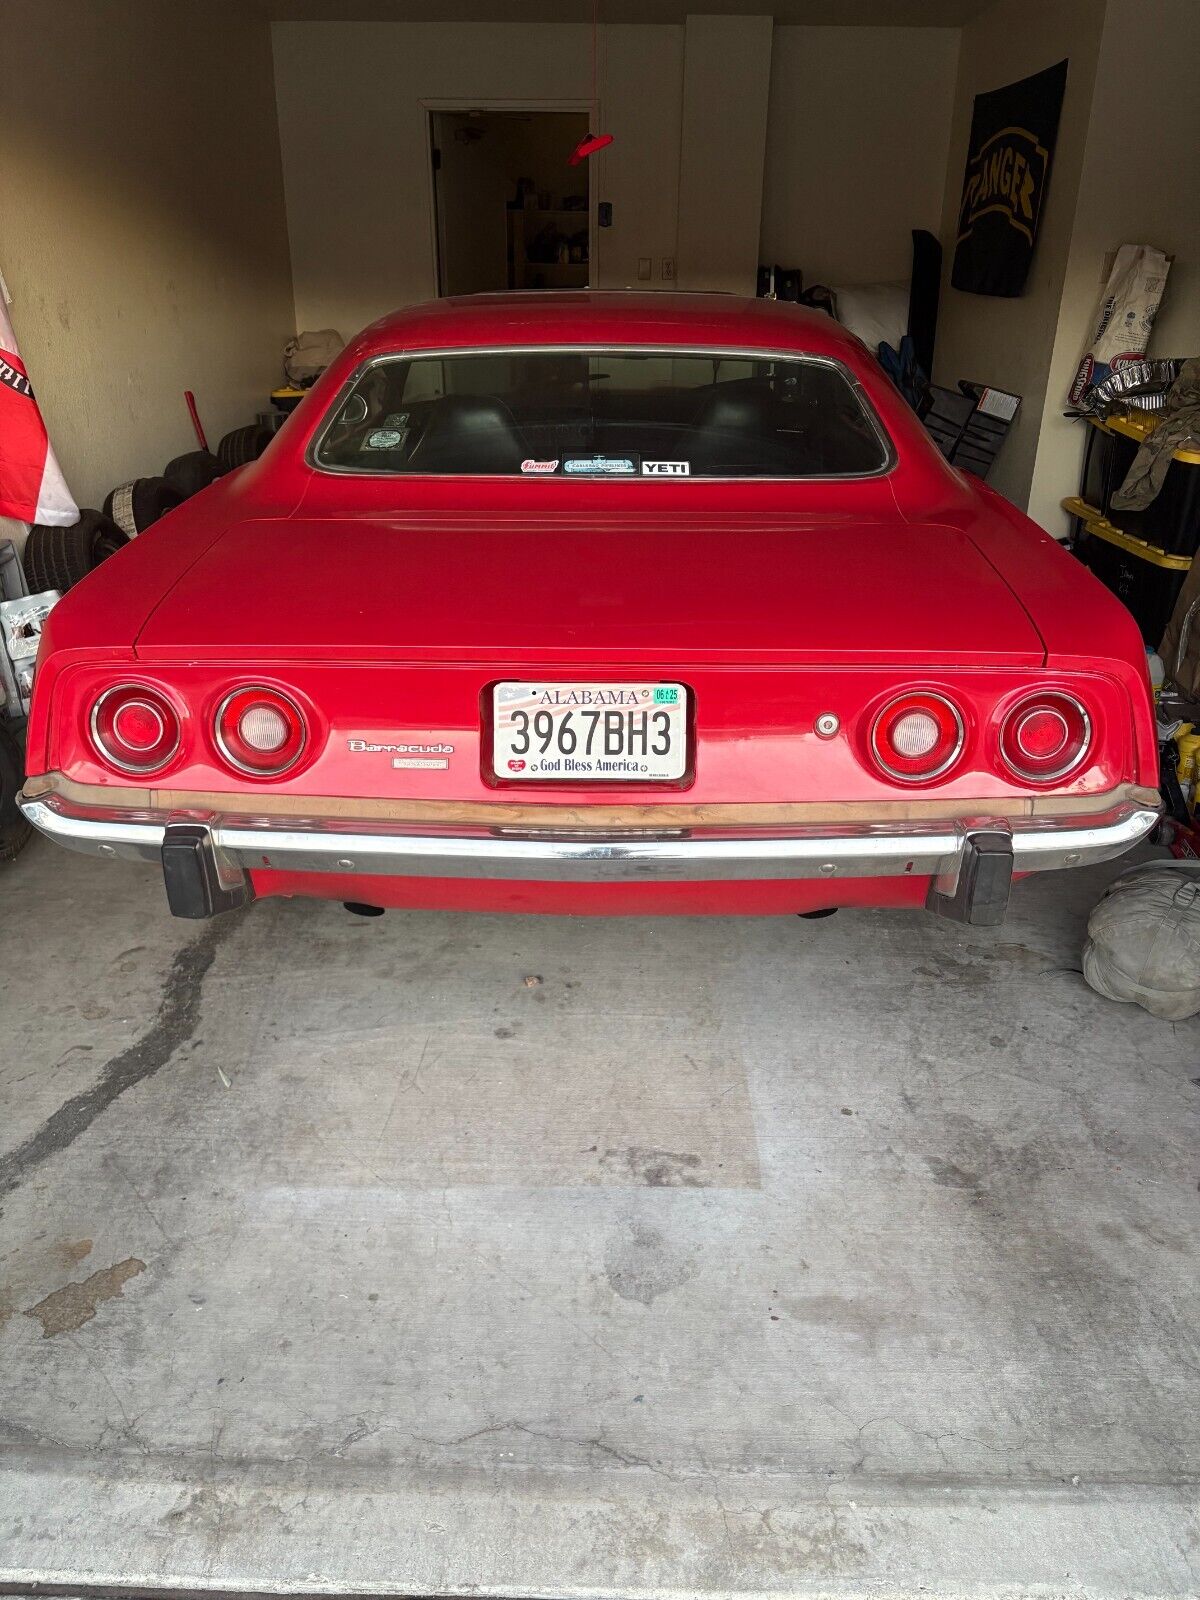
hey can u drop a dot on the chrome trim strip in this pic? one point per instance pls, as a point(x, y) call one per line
point(95, 836)
point(855, 851)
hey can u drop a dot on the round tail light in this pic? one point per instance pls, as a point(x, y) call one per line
point(260, 731)
point(134, 729)
point(1044, 737)
point(917, 737)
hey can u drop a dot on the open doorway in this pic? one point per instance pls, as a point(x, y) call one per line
point(510, 213)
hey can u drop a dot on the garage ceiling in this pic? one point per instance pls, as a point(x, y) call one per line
point(856, 13)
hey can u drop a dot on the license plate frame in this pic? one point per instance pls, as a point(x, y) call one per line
point(537, 771)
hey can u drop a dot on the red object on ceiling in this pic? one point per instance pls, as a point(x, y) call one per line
point(591, 142)
point(588, 146)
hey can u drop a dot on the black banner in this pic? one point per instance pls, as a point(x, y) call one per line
point(1004, 188)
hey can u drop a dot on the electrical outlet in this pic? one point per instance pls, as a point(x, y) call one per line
point(645, 267)
point(668, 269)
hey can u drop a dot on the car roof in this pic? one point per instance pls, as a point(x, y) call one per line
point(606, 317)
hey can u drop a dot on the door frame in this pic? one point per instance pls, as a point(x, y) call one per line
point(439, 103)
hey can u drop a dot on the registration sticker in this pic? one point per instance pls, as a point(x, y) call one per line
point(599, 466)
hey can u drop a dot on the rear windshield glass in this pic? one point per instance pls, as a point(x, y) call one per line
point(604, 414)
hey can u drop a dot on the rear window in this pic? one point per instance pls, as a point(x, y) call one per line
point(604, 414)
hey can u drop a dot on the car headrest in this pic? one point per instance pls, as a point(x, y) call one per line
point(731, 426)
point(468, 433)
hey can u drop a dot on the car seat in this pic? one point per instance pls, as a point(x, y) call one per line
point(468, 434)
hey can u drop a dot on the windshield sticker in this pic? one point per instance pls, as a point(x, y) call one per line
point(384, 439)
point(539, 466)
point(667, 469)
point(601, 466)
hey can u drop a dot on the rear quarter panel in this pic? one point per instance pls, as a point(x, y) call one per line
point(1084, 626)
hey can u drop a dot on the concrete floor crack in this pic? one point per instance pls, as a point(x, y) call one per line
point(173, 1025)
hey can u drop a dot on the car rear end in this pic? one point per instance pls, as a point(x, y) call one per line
point(732, 640)
point(756, 789)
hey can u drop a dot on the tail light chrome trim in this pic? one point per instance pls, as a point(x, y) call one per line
point(149, 699)
point(1048, 700)
point(915, 698)
point(269, 695)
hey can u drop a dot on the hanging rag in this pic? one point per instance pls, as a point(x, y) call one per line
point(1180, 646)
point(1180, 422)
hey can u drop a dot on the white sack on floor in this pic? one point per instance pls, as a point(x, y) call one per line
point(876, 312)
point(307, 355)
point(1143, 940)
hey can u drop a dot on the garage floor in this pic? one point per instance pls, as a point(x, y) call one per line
point(438, 1254)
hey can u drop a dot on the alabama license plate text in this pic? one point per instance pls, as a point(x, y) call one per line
point(599, 732)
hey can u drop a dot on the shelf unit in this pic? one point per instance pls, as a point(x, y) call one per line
point(524, 224)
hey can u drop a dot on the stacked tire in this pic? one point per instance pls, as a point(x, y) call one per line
point(192, 472)
point(14, 830)
point(57, 558)
point(243, 445)
point(135, 506)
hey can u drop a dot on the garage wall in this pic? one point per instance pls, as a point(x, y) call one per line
point(643, 108)
point(144, 240)
point(1140, 189)
point(1010, 343)
point(726, 84)
point(353, 126)
point(857, 140)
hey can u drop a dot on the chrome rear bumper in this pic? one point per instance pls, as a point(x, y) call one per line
point(228, 847)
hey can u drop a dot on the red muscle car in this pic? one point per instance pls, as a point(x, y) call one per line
point(596, 603)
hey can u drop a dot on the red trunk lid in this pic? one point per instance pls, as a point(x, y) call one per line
point(468, 589)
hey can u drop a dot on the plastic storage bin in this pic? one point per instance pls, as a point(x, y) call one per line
point(1145, 578)
point(1171, 522)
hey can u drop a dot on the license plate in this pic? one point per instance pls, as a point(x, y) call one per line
point(599, 732)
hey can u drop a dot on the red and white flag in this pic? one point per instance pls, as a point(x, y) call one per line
point(32, 487)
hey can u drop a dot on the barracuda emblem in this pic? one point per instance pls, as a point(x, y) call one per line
point(421, 756)
point(366, 747)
